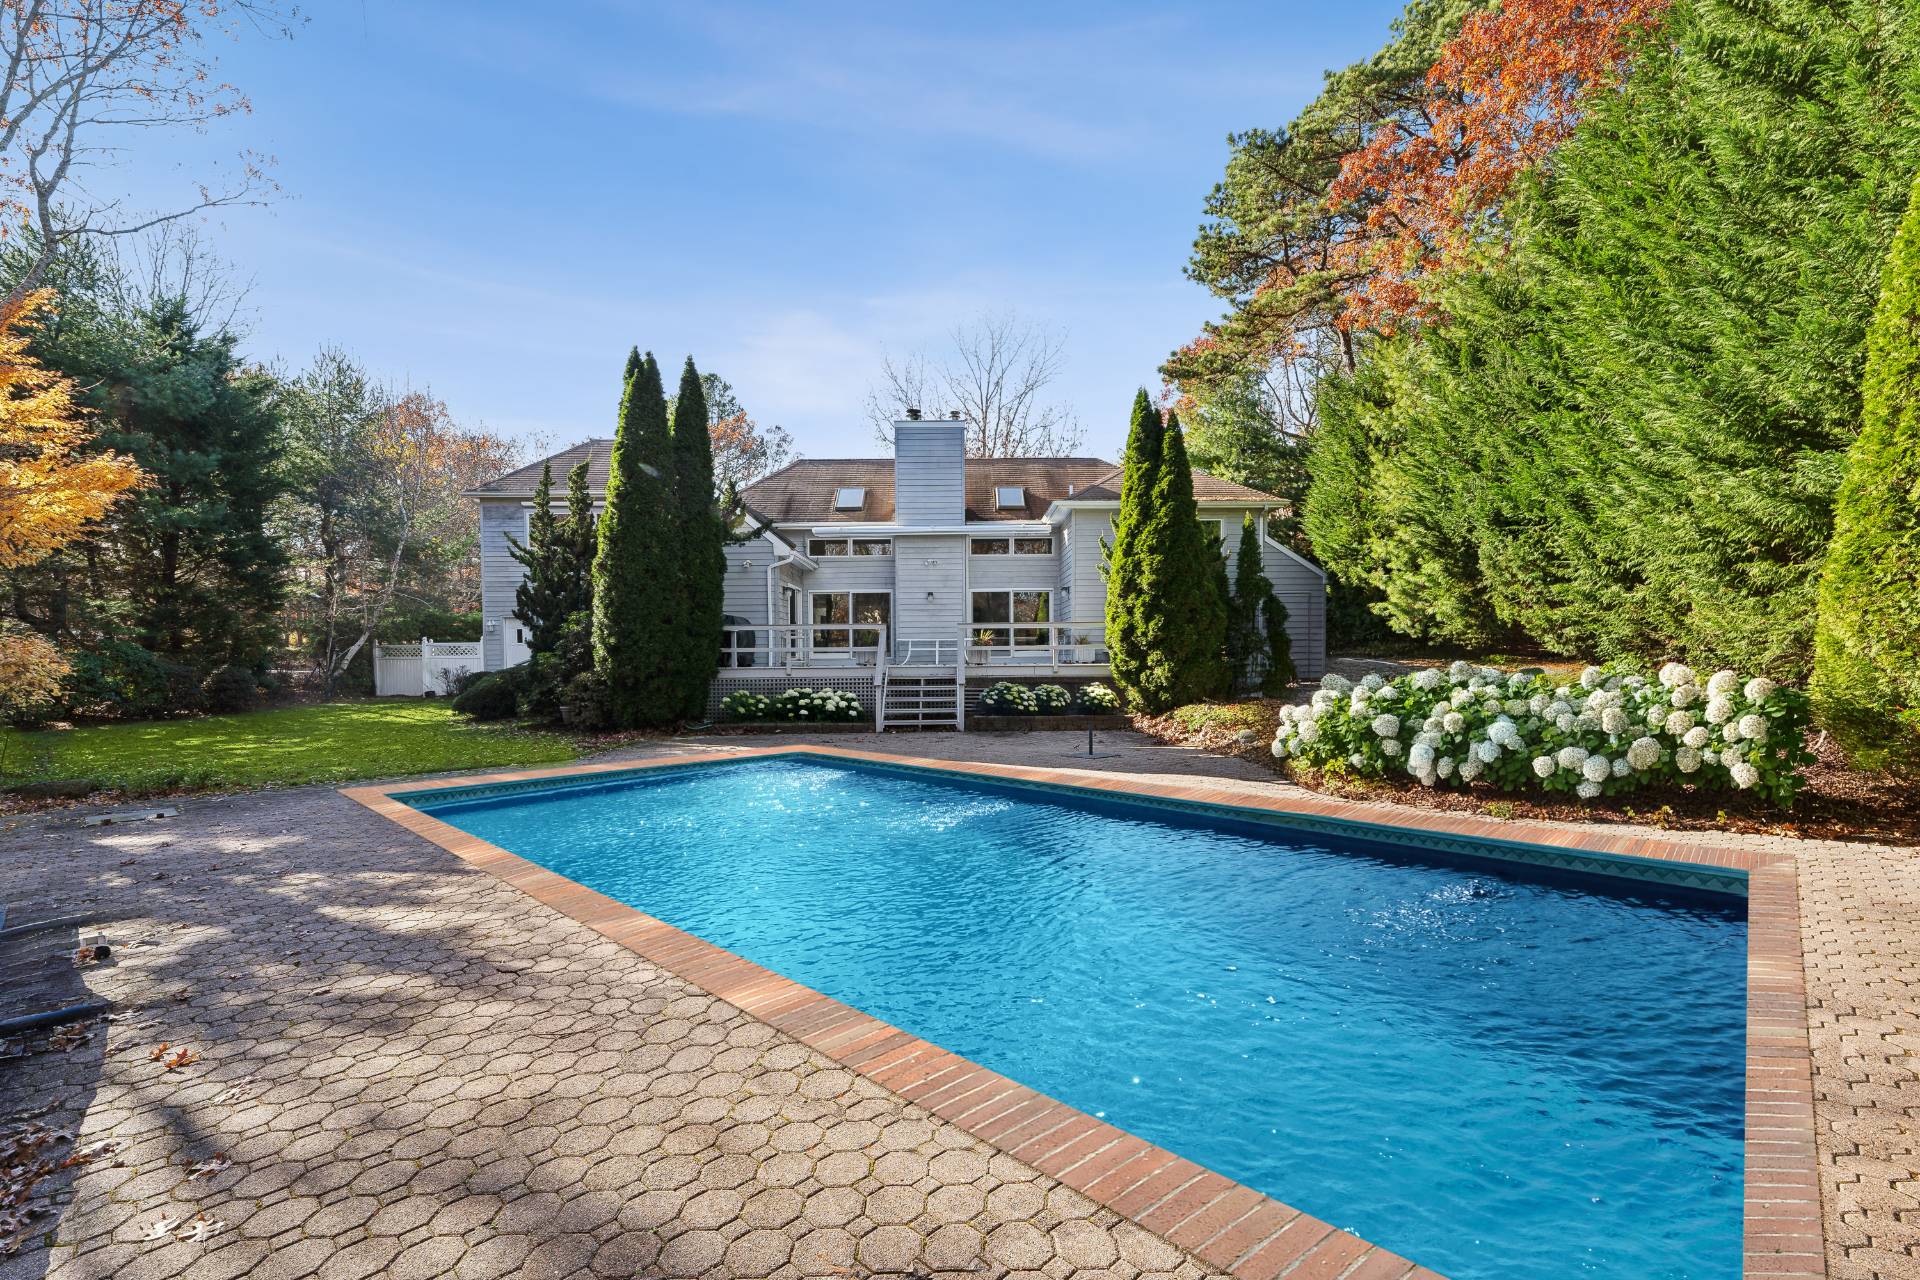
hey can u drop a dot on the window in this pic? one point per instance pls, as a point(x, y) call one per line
point(1011, 607)
point(1012, 546)
point(873, 546)
point(1009, 495)
point(834, 611)
point(851, 498)
point(817, 547)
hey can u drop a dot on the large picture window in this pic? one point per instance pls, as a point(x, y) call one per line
point(834, 611)
point(1008, 609)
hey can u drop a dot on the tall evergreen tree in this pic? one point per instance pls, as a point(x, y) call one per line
point(190, 556)
point(1184, 579)
point(703, 537)
point(1252, 594)
point(579, 534)
point(1140, 466)
point(1280, 670)
point(541, 599)
point(637, 598)
point(1866, 673)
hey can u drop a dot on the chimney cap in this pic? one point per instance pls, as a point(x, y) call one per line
point(913, 415)
point(953, 414)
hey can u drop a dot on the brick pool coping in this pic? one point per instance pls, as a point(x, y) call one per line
point(1223, 1223)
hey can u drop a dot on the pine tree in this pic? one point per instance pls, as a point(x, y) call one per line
point(637, 599)
point(1280, 670)
point(540, 600)
point(703, 537)
point(1866, 673)
point(1252, 596)
point(1126, 625)
point(580, 537)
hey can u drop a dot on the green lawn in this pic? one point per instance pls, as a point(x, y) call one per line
point(336, 742)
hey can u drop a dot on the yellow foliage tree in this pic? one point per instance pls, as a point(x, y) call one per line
point(50, 490)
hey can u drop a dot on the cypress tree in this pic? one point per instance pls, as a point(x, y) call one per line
point(703, 537)
point(540, 600)
point(1126, 624)
point(1182, 587)
point(1866, 672)
point(636, 584)
point(1280, 670)
point(1252, 596)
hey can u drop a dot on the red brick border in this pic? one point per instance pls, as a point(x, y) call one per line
point(1223, 1223)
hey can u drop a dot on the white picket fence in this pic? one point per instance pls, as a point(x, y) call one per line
point(414, 670)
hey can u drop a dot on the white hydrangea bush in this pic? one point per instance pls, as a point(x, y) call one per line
point(1608, 731)
point(812, 705)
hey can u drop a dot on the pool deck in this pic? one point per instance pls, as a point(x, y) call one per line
point(419, 1068)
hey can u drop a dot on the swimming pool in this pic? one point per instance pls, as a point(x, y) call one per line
point(1495, 1070)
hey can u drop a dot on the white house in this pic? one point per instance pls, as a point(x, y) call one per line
point(915, 580)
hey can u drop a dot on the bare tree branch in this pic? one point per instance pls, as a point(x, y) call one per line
point(995, 380)
point(78, 74)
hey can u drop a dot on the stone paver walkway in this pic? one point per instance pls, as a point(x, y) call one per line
point(403, 1067)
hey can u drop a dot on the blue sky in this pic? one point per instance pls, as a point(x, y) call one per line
point(496, 206)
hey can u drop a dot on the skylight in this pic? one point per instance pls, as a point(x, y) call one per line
point(1009, 495)
point(851, 498)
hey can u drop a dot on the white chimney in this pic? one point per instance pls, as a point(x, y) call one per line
point(929, 471)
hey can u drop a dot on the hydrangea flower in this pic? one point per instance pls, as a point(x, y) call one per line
point(1386, 726)
point(1428, 679)
point(1596, 768)
point(1333, 682)
point(1676, 674)
point(1444, 766)
point(1613, 720)
point(1697, 737)
point(1644, 753)
point(1744, 775)
point(1719, 709)
point(1685, 695)
point(1571, 757)
point(1758, 689)
point(1590, 677)
point(1687, 760)
point(1390, 747)
point(1753, 727)
point(1469, 769)
point(1723, 681)
point(1678, 723)
point(1587, 790)
point(1420, 759)
point(1488, 752)
point(1543, 766)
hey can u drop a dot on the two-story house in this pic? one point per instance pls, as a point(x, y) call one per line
point(915, 580)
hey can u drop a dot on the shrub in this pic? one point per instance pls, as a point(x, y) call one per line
point(230, 689)
point(587, 703)
point(1098, 699)
point(1605, 733)
point(462, 679)
point(743, 704)
point(492, 697)
point(1007, 699)
point(816, 705)
point(1052, 700)
point(121, 680)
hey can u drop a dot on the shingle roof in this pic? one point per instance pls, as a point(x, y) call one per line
point(802, 492)
point(518, 484)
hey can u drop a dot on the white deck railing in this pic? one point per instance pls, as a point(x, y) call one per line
point(1058, 646)
point(1052, 646)
point(819, 644)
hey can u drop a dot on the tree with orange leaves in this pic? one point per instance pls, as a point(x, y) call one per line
point(51, 488)
point(1504, 93)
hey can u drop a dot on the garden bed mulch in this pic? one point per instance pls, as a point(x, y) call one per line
point(1838, 803)
point(986, 722)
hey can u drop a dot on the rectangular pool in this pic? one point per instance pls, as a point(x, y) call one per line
point(1496, 1069)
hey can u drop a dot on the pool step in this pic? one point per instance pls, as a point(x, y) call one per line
point(920, 702)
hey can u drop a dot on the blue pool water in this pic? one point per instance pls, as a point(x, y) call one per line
point(1501, 1073)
